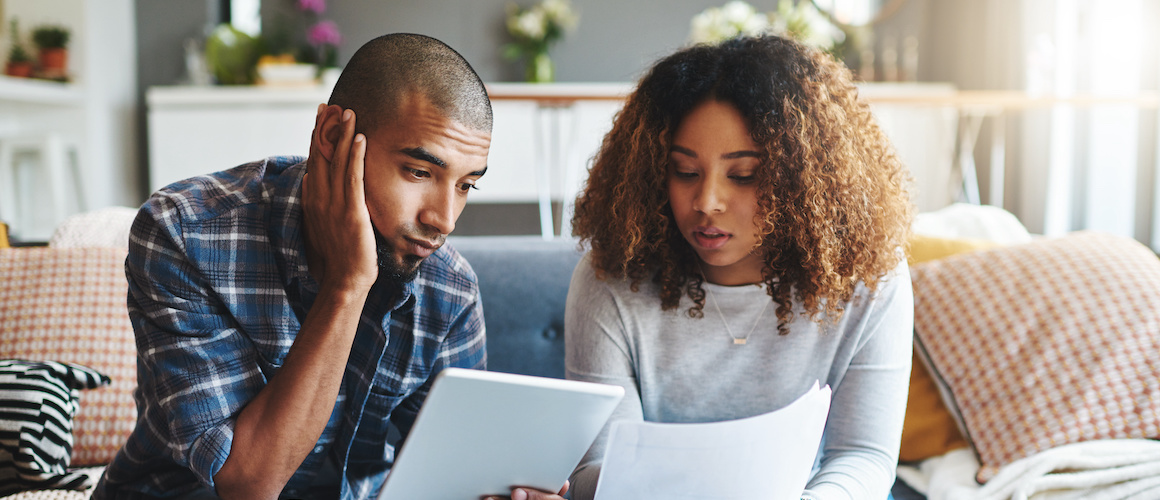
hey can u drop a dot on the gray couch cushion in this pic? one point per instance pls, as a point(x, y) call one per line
point(523, 281)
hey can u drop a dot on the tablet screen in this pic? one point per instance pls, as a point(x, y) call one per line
point(481, 433)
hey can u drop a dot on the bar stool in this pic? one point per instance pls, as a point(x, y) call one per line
point(57, 158)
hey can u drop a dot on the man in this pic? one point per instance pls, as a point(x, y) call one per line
point(287, 311)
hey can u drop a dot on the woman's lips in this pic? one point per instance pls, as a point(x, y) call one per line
point(710, 238)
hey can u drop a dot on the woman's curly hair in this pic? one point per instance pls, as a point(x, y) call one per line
point(834, 208)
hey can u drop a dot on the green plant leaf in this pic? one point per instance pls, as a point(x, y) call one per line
point(50, 37)
point(512, 51)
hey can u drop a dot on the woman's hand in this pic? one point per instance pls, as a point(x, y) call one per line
point(340, 240)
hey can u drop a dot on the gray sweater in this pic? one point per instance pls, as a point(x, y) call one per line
point(678, 369)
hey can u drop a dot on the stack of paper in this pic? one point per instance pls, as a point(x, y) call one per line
point(769, 456)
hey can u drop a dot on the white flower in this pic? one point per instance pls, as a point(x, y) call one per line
point(704, 26)
point(560, 12)
point(530, 24)
point(754, 25)
point(735, 18)
point(737, 12)
point(819, 31)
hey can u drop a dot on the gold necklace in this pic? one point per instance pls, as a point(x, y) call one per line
point(736, 340)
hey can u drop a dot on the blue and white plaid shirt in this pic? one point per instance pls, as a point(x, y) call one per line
point(218, 288)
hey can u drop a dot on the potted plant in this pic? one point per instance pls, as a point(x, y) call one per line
point(535, 29)
point(19, 62)
point(53, 44)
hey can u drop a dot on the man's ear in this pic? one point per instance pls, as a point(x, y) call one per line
point(330, 131)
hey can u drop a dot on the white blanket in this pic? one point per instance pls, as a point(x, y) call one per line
point(1113, 469)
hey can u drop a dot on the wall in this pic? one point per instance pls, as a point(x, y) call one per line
point(973, 44)
point(162, 27)
point(614, 41)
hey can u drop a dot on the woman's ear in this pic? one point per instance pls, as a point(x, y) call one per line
point(330, 131)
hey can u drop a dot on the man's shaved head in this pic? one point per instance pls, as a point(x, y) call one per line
point(386, 69)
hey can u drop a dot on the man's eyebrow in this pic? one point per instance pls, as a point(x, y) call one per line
point(422, 154)
point(478, 173)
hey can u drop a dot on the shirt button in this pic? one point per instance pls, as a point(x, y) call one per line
point(318, 449)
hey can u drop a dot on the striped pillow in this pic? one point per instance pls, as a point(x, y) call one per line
point(38, 400)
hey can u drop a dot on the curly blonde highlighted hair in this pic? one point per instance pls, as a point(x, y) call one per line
point(834, 208)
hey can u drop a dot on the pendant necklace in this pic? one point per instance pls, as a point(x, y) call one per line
point(736, 340)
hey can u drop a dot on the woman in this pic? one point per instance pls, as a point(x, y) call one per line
point(746, 219)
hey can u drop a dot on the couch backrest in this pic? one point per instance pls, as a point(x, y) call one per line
point(523, 281)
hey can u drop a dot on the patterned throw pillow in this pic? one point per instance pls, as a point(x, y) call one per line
point(69, 305)
point(38, 401)
point(929, 429)
point(1043, 344)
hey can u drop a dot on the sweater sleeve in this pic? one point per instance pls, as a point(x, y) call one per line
point(864, 427)
point(597, 350)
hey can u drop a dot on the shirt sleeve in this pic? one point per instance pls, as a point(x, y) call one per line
point(596, 350)
point(864, 426)
point(196, 369)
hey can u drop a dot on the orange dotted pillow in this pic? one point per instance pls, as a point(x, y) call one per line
point(929, 429)
point(1044, 344)
point(69, 305)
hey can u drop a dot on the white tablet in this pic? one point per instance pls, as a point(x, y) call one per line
point(481, 433)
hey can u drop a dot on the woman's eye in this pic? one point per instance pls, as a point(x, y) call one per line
point(743, 179)
point(684, 175)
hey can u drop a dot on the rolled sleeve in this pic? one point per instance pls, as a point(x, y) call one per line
point(196, 369)
point(209, 452)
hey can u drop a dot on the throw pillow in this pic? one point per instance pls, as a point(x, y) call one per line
point(929, 430)
point(69, 305)
point(4, 235)
point(1044, 344)
point(38, 401)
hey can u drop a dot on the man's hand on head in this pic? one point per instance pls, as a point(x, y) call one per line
point(340, 240)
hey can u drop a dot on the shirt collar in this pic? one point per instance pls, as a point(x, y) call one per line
point(287, 237)
point(285, 226)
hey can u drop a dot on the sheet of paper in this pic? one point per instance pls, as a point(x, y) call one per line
point(768, 456)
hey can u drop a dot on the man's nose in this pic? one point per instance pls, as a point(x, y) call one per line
point(440, 211)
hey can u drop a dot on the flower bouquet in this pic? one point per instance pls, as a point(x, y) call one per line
point(302, 44)
point(535, 29)
point(799, 20)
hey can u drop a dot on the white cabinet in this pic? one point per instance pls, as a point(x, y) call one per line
point(539, 142)
point(543, 139)
point(197, 130)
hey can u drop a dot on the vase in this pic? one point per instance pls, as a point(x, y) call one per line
point(21, 69)
point(541, 69)
point(54, 61)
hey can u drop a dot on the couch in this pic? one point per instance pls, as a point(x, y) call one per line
point(48, 296)
point(523, 282)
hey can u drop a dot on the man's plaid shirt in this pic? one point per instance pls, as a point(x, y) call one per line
point(218, 288)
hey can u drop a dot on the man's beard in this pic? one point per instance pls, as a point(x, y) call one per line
point(389, 266)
